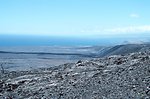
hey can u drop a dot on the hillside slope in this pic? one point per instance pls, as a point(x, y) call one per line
point(113, 77)
point(122, 49)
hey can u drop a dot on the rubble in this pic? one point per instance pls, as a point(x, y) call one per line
point(113, 77)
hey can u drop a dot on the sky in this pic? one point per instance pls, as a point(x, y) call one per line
point(75, 18)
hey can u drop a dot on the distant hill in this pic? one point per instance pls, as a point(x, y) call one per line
point(122, 49)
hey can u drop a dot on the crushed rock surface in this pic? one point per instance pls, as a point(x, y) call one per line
point(113, 77)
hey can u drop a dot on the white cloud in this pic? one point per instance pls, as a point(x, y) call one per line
point(133, 15)
point(130, 29)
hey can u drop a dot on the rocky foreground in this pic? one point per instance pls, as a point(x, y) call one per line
point(113, 77)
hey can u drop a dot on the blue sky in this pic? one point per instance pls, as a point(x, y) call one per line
point(87, 18)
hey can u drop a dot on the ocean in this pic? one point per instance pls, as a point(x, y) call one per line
point(28, 40)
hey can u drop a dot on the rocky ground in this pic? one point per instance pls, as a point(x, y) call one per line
point(113, 77)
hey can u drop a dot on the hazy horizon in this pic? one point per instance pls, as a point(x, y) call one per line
point(35, 40)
